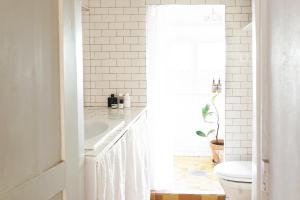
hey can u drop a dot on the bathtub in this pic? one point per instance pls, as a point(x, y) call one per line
point(103, 126)
point(97, 131)
point(116, 154)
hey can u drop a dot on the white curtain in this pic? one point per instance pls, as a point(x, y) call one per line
point(111, 172)
point(137, 172)
point(123, 170)
point(185, 51)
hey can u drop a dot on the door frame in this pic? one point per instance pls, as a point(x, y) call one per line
point(73, 110)
point(260, 31)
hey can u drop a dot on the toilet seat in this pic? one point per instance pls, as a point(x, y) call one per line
point(237, 171)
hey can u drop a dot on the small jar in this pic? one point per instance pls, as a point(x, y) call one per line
point(121, 104)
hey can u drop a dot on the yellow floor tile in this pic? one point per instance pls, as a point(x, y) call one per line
point(194, 175)
point(193, 180)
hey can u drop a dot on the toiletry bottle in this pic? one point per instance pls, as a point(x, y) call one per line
point(121, 100)
point(109, 100)
point(219, 86)
point(114, 101)
point(127, 102)
point(214, 86)
point(120, 97)
point(121, 103)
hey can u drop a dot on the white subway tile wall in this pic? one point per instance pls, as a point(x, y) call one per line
point(115, 60)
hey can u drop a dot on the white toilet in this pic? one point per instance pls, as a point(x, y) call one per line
point(236, 179)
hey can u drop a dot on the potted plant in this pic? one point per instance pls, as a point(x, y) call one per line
point(211, 116)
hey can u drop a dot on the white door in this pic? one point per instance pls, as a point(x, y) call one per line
point(32, 148)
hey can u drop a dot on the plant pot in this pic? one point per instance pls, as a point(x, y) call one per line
point(217, 149)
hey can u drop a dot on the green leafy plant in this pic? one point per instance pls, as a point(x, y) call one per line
point(207, 115)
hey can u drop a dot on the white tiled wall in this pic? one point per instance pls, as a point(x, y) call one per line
point(238, 110)
point(114, 60)
point(114, 51)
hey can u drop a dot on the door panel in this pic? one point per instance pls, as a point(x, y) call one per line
point(58, 196)
point(30, 120)
point(42, 187)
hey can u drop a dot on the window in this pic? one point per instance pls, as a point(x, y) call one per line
point(185, 51)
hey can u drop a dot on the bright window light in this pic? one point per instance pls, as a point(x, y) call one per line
point(185, 51)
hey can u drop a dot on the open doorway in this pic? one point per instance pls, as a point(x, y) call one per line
point(186, 52)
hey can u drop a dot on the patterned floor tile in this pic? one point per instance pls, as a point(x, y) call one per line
point(193, 180)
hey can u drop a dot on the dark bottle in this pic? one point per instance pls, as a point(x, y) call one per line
point(110, 100)
point(114, 102)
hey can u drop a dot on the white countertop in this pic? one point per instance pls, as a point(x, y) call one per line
point(106, 114)
point(119, 121)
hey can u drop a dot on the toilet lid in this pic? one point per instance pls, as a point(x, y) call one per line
point(239, 171)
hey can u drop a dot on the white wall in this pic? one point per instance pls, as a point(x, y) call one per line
point(114, 60)
point(281, 92)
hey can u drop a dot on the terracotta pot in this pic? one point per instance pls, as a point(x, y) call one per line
point(217, 149)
